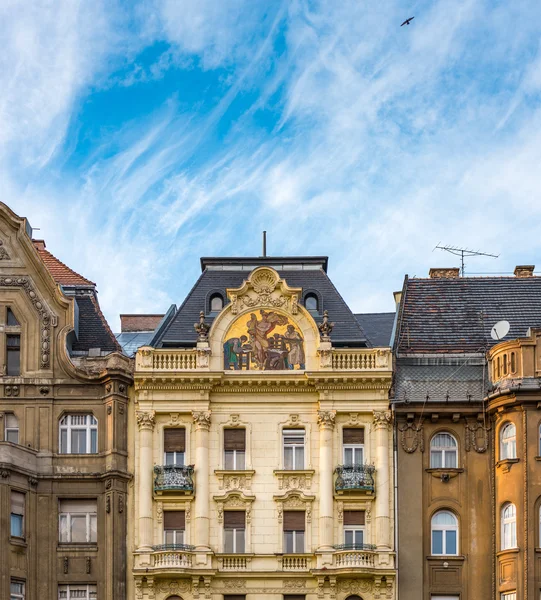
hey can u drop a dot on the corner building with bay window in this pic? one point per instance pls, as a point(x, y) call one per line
point(262, 442)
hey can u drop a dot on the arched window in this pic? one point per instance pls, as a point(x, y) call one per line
point(311, 302)
point(444, 534)
point(443, 451)
point(216, 303)
point(509, 526)
point(508, 441)
point(78, 434)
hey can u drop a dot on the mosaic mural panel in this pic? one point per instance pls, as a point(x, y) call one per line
point(264, 340)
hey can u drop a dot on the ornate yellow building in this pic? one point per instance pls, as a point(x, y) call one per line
point(262, 447)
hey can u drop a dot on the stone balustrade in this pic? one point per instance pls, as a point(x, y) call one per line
point(361, 359)
point(295, 562)
point(171, 559)
point(234, 563)
point(351, 559)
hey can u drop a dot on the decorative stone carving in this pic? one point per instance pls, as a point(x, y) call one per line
point(4, 473)
point(477, 437)
point(340, 510)
point(46, 319)
point(412, 437)
point(120, 503)
point(355, 586)
point(195, 586)
point(325, 327)
point(151, 593)
point(382, 419)
point(88, 565)
point(108, 503)
point(139, 588)
point(146, 420)
point(294, 501)
point(3, 252)
point(288, 480)
point(202, 328)
point(326, 419)
point(202, 355)
point(33, 481)
point(234, 500)
point(159, 512)
point(44, 390)
point(201, 419)
point(325, 355)
point(235, 585)
point(66, 564)
point(176, 586)
point(294, 584)
point(231, 480)
point(11, 390)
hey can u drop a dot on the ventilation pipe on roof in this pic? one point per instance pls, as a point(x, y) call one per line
point(449, 273)
point(524, 270)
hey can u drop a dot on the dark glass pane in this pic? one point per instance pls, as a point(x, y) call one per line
point(310, 302)
point(451, 542)
point(16, 525)
point(13, 361)
point(11, 319)
point(437, 542)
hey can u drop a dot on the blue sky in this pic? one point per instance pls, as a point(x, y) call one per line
point(141, 136)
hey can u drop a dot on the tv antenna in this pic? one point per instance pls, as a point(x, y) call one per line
point(463, 252)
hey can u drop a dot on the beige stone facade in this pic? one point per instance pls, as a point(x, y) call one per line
point(62, 486)
point(289, 519)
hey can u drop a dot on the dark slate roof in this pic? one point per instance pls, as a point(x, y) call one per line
point(457, 315)
point(378, 327)
point(131, 341)
point(94, 331)
point(308, 273)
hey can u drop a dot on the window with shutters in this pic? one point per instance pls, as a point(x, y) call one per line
point(443, 451)
point(78, 521)
point(17, 514)
point(235, 449)
point(174, 446)
point(234, 531)
point(174, 525)
point(353, 446)
point(293, 440)
point(77, 592)
point(354, 529)
point(11, 428)
point(78, 434)
point(294, 528)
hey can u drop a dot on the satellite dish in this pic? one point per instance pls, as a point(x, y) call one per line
point(500, 330)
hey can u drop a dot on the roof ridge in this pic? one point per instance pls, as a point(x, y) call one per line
point(46, 255)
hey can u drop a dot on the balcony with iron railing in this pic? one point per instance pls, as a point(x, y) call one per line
point(354, 478)
point(173, 478)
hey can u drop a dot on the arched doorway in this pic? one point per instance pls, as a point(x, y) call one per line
point(354, 598)
point(174, 598)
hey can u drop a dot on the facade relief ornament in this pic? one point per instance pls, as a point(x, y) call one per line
point(326, 419)
point(325, 327)
point(477, 436)
point(232, 501)
point(3, 252)
point(202, 328)
point(412, 437)
point(201, 419)
point(294, 501)
point(382, 419)
point(146, 420)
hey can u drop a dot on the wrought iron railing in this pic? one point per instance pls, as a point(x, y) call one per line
point(180, 547)
point(354, 547)
point(173, 477)
point(354, 477)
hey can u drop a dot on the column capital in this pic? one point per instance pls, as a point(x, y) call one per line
point(146, 420)
point(201, 419)
point(326, 419)
point(382, 419)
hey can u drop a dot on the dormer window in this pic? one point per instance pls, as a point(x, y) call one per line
point(311, 302)
point(216, 303)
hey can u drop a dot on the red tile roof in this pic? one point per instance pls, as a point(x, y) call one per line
point(60, 272)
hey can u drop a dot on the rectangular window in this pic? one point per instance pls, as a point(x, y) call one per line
point(174, 446)
point(78, 434)
point(354, 524)
point(234, 531)
point(293, 597)
point(17, 514)
point(294, 527)
point(234, 597)
point(11, 431)
point(438, 597)
point(235, 449)
point(13, 351)
point(508, 596)
point(16, 590)
point(174, 525)
point(78, 521)
point(353, 445)
point(11, 319)
point(77, 592)
point(293, 449)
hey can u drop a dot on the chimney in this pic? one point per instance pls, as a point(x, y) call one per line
point(132, 323)
point(524, 270)
point(39, 244)
point(448, 273)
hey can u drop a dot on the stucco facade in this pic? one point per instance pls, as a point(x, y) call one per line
point(313, 405)
point(43, 481)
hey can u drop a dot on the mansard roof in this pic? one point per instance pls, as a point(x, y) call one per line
point(219, 274)
point(456, 315)
point(378, 327)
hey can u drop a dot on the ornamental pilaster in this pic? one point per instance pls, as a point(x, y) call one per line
point(201, 419)
point(382, 423)
point(382, 419)
point(146, 420)
point(326, 419)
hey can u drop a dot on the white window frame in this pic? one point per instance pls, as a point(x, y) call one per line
point(353, 448)
point(444, 529)
point(508, 595)
point(292, 433)
point(295, 541)
point(91, 588)
point(235, 550)
point(19, 595)
point(239, 460)
point(12, 428)
point(443, 451)
point(67, 425)
point(354, 529)
point(89, 517)
point(176, 534)
point(508, 526)
point(22, 515)
point(179, 459)
point(508, 444)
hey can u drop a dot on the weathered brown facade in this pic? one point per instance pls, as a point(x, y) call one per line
point(63, 416)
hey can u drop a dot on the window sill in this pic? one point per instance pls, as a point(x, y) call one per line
point(446, 557)
point(18, 541)
point(69, 547)
point(222, 472)
point(537, 457)
point(507, 551)
point(506, 464)
point(296, 471)
point(444, 474)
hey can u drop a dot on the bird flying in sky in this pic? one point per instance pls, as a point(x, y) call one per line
point(407, 21)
